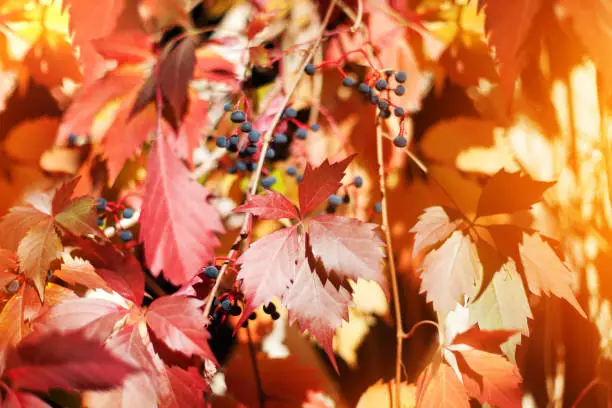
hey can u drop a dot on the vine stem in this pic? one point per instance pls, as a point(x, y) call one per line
point(244, 230)
point(399, 331)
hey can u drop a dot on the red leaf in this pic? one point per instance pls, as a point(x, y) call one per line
point(441, 388)
point(122, 272)
point(175, 73)
point(63, 195)
point(92, 20)
point(508, 26)
point(75, 270)
point(321, 182)
point(37, 250)
point(490, 378)
point(268, 265)
point(510, 192)
point(448, 273)
point(485, 340)
point(347, 246)
point(180, 324)
point(15, 399)
point(190, 132)
point(214, 68)
point(269, 206)
point(90, 101)
point(434, 226)
point(178, 225)
point(16, 223)
point(317, 307)
point(125, 48)
point(188, 386)
point(75, 363)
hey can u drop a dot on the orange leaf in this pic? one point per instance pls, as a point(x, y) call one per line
point(441, 388)
point(434, 226)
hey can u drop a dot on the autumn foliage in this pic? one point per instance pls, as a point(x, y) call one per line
point(306, 203)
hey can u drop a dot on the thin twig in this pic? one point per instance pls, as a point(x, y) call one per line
point(260, 391)
point(421, 323)
point(399, 331)
point(262, 157)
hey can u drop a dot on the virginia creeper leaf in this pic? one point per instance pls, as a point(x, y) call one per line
point(180, 324)
point(347, 246)
point(175, 73)
point(449, 272)
point(178, 224)
point(269, 206)
point(320, 182)
point(39, 247)
point(76, 363)
point(441, 388)
point(510, 192)
point(16, 223)
point(434, 226)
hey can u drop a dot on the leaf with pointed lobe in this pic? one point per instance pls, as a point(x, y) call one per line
point(347, 246)
point(269, 206)
point(441, 388)
point(212, 67)
point(510, 192)
point(131, 47)
point(545, 272)
point(316, 307)
point(508, 26)
point(268, 266)
point(435, 225)
point(75, 363)
point(16, 223)
point(179, 323)
point(178, 225)
point(449, 272)
point(63, 195)
point(79, 217)
point(485, 340)
point(490, 378)
point(175, 73)
point(320, 182)
point(36, 251)
point(75, 270)
point(121, 271)
point(95, 317)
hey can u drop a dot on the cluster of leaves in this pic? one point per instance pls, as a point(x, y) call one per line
point(129, 323)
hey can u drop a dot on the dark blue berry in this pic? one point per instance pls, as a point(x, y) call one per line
point(246, 127)
point(315, 127)
point(251, 166)
point(381, 84)
point(232, 169)
point(232, 148)
point(221, 141)
point(334, 199)
point(401, 77)
point(235, 310)
point(234, 139)
point(268, 182)
point(128, 213)
point(237, 116)
point(290, 112)
point(100, 222)
point(72, 139)
point(253, 316)
point(301, 134)
point(243, 154)
point(100, 204)
point(280, 138)
point(215, 302)
point(383, 105)
point(399, 111)
point(310, 69)
point(270, 153)
point(374, 99)
point(299, 178)
point(211, 272)
point(400, 141)
point(378, 207)
point(241, 165)
point(228, 107)
point(12, 287)
point(291, 171)
point(358, 181)
point(388, 72)
point(347, 81)
point(254, 136)
point(226, 304)
point(364, 88)
point(275, 316)
point(400, 90)
point(251, 149)
point(126, 235)
point(385, 114)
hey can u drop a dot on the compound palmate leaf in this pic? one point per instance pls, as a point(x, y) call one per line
point(178, 223)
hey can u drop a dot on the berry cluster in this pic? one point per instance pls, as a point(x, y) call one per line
point(110, 212)
point(335, 200)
